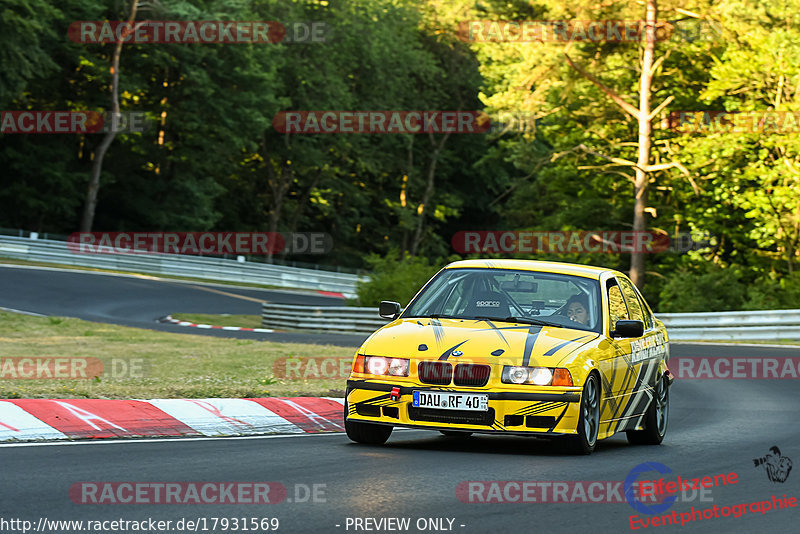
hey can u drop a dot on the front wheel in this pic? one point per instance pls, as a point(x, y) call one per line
point(368, 433)
point(589, 421)
point(655, 419)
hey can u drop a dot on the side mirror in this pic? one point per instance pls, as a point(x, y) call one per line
point(389, 309)
point(628, 329)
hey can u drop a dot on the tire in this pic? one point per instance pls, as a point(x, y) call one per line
point(589, 421)
point(368, 433)
point(655, 419)
point(455, 434)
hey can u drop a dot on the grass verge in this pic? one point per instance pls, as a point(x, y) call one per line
point(144, 364)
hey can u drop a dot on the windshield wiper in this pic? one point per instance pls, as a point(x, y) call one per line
point(520, 320)
point(440, 316)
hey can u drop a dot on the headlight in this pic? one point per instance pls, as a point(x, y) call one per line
point(516, 375)
point(538, 376)
point(541, 376)
point(378, 365)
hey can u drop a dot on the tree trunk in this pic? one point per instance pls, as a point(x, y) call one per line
point(637, 271)
point(426, 197)
point(108, 138)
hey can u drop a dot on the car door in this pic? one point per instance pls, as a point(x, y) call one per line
point(640, 355)
point(625, 381)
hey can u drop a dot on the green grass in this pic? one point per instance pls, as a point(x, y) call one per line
point(171, 365)
point(226, 319)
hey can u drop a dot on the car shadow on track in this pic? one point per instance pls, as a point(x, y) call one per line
point(505, 445)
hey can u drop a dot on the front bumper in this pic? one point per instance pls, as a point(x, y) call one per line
point(511, 411)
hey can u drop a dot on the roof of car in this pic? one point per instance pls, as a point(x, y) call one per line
point(587, 271)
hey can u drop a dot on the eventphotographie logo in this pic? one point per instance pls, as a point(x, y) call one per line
point(777, 466)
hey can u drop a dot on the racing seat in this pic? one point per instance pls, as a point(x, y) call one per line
point(487, 304)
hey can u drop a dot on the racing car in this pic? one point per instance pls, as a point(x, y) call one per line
point(517, 347)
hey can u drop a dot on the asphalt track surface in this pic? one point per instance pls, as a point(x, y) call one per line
point(140, 301)
point(715, 427)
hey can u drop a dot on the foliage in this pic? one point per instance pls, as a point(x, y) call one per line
point(213, 161)
point(395, 277)
point(715, 290)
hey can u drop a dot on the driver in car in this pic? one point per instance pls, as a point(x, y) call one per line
point(578, 309)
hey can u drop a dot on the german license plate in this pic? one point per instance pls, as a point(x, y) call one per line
point(442, 400)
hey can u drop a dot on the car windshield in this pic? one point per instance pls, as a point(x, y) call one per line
point(511, 295)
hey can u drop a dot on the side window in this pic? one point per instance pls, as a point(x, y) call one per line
point(634, 306)
point(648, 319)
point(617, 311)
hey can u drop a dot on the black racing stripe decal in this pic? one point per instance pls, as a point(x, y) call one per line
point(608, 398)
point(644, 392)
point(558, 420)
point(438, 331)
point(446, 354)
point(533, 333)
point(518, 327)
point(562, 345)
point(635, 390)
point(541, 407)
point(385, 402)
point(374, 400)
point(495, 329)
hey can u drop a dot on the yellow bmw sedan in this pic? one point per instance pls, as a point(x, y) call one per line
point(519, 347)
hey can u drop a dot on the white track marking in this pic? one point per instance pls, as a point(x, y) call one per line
point(16, 423)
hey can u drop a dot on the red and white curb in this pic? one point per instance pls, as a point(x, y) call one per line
point(63, 419)
point(169, 319)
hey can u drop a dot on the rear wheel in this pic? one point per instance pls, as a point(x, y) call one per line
point(589, 421)
point(368, 433)
point(655, 419)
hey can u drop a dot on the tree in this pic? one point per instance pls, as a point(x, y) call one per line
point(111, 133)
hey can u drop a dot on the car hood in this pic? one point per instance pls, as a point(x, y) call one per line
point(477, 341)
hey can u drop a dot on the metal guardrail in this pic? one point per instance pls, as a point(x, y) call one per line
point(733, 326)
point(345, 319)
point(203, 267)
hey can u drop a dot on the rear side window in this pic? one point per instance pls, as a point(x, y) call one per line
point(634, 306)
